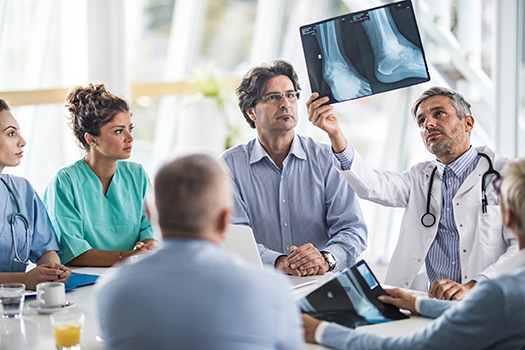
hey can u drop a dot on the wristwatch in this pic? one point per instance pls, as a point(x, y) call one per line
point(329, 259)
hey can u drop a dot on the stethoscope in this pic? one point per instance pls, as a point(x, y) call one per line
point(428, 219)
point(12, 220)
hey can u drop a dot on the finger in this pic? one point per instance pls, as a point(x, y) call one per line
point(321, 271)
point(307, 261)
point(437, 285)
point(452, 291)
point(299, 254)
point(321, 114)
point(294, 272)
point(312, 98)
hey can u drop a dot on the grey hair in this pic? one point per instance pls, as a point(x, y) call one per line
point(456, 100)
point(513, 193)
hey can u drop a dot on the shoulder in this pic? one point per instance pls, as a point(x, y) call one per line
point(499, 161)
point(131, 167)
point(71, 171)
point(311, 147)
point(17, 182)
point(238, 152)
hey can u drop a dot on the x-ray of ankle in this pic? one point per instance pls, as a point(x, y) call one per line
point(395, 57)
point(339, 73)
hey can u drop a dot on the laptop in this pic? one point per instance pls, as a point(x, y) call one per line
point(364, 53)
point(241, 241)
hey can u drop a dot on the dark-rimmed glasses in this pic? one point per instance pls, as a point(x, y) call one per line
point(276, 98)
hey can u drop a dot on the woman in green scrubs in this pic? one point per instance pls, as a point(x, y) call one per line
point(97, 205)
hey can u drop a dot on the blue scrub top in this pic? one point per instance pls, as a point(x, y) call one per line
point(41, 235)
point(84, 218)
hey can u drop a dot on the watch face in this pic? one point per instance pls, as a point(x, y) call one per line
point(329, 259)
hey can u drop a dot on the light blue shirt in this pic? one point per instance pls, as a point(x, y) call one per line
point(41, 234)
point(308, 201)
point(193, 295)
point(443, 260)
point(492, 316)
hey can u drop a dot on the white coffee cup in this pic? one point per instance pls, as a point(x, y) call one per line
point(50, 294)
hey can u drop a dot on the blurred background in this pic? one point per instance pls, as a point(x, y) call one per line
point(178, 63)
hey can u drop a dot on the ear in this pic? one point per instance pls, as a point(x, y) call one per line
point(223, 220)
point(251, 113)
point(507, 217)
point(469, 123)
point(90, 139)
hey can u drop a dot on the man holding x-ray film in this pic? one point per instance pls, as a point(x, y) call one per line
point(451, 236)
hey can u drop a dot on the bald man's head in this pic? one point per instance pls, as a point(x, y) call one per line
point(192, 195)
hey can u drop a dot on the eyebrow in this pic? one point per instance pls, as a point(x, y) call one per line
point(432, 110)
point(276, 92)
point(120, 126)
point(10, 126)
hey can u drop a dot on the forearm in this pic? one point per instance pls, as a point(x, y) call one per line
point(12, 277)
point(51, 257)
point(99, 258)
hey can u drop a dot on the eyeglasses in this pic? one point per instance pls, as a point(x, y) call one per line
point(276, 98)
point(497, 185)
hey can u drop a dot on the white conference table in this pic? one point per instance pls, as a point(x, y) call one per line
point(34, 331)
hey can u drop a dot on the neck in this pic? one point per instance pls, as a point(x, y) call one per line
point(102, 167)
point(277, 146)
point(449, 157)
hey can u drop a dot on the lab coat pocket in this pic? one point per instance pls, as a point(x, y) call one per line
point(491, 230)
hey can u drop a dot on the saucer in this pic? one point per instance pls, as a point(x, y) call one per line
point(34, 305)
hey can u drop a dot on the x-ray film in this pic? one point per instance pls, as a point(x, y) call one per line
point(364, 53)
point(351, 299)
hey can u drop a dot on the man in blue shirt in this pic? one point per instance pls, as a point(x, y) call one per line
point(305, 217)
point(451, 236)
point(191, 294)
point(492, 316)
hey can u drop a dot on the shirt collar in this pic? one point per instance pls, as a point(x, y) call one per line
point(460, 165)
point(259, 152)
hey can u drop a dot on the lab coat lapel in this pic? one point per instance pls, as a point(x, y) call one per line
point(436, 195)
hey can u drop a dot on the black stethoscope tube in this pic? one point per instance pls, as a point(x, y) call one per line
point(428, 219)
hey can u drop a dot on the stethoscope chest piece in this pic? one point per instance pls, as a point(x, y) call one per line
point(428, 220)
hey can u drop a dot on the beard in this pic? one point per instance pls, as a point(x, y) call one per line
point(448, 146)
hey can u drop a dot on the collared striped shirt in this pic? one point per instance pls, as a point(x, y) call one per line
point(443, 260)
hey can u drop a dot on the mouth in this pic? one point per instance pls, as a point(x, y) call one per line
point(127, 149)
point(432, 135)
point(19, 154)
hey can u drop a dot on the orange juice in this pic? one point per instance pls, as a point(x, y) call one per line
point(67, 335)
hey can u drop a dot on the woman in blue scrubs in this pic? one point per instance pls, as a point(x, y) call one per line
point(97, 204)
point(32, 238)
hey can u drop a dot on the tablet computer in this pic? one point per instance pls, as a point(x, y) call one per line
point(364, 53)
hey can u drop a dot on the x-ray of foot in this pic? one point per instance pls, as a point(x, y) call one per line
point(342, 77)
point(396, 58)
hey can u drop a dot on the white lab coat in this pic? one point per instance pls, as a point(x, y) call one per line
point(483, 239)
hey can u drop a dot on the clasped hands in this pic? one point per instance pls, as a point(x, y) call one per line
point(305, 260)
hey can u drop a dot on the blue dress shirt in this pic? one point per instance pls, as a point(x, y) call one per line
point(492, 316)
point(443, 260)
point(308, 201)
point(191, 294)
point(41, 235)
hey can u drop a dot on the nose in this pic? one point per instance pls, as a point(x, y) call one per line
point(21, 142)
point(429, 122)
point(129, 136)
point(285, 103)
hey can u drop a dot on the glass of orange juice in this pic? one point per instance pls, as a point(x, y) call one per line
point(67, 326)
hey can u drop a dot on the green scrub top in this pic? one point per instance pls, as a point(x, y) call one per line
point(85, 219)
